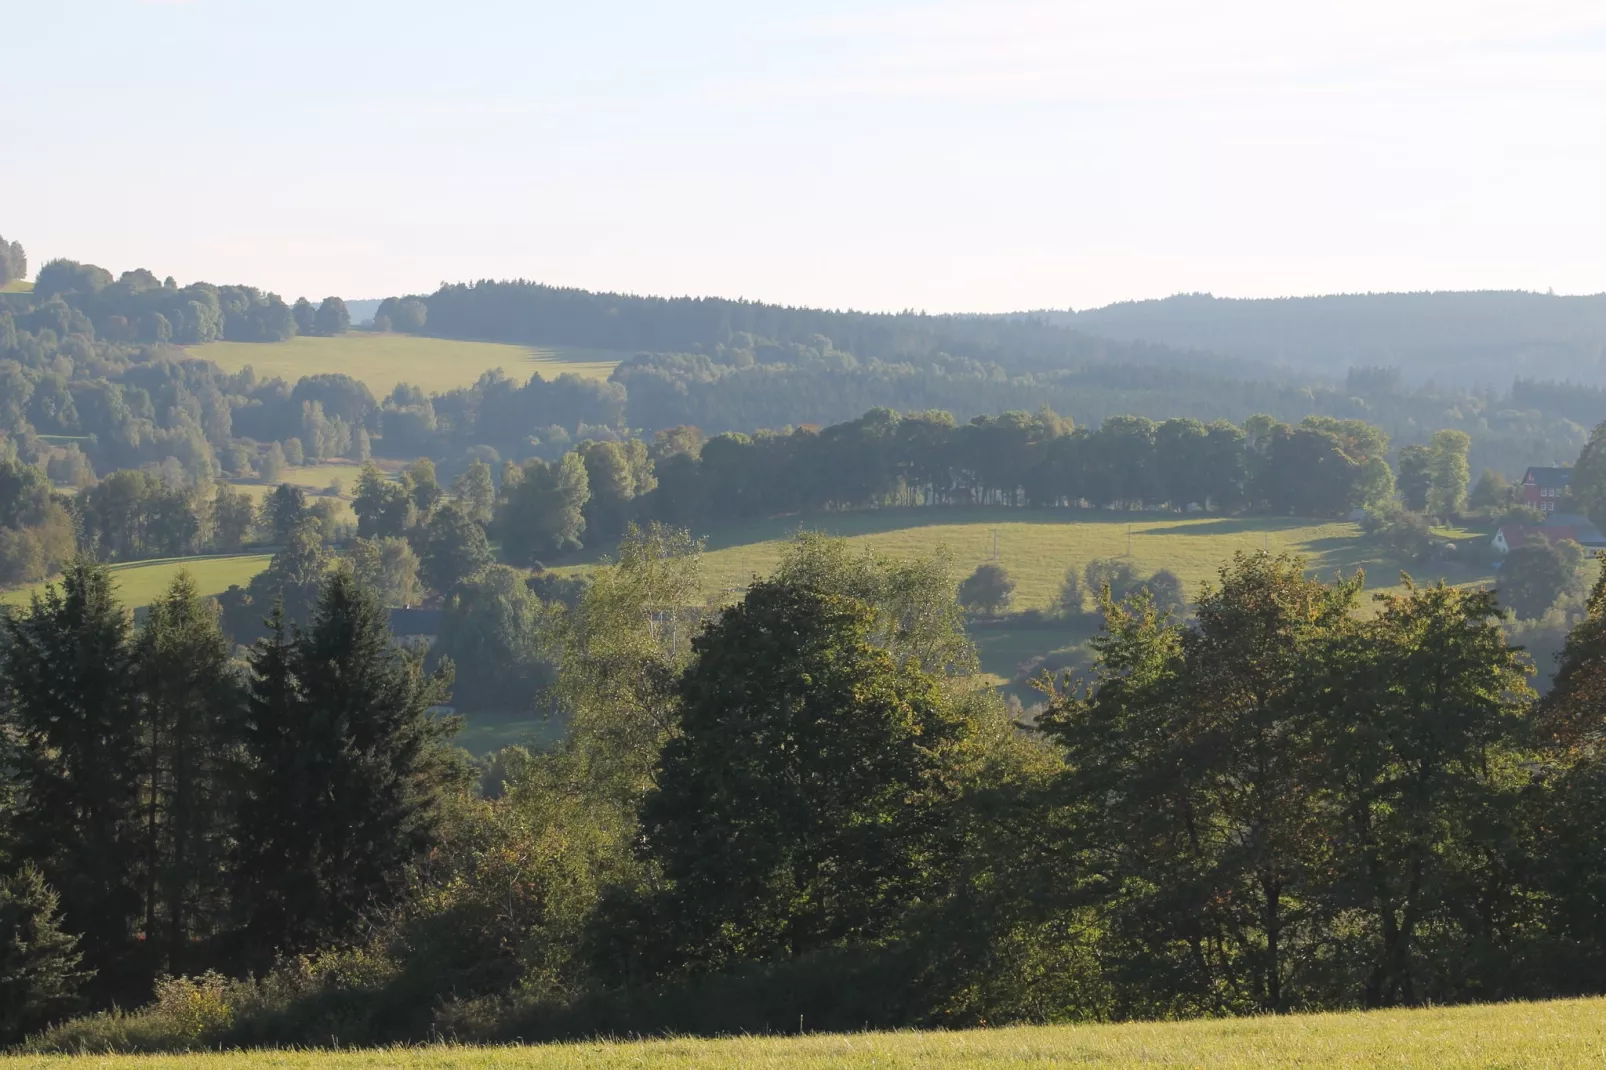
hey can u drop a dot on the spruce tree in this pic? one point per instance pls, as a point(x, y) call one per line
point(40, 973)
point(68, 676)
point(192, 698)
point(344, 773)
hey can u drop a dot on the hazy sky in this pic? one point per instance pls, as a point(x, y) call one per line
point(948, 156)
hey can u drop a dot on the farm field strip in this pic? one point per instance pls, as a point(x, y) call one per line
point(1563, 1033)
point(384, 360)
point(1038, 546)
point(139, 583)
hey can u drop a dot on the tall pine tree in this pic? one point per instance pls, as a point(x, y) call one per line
point(68, 675)
point(192, 700)
point(344, 773)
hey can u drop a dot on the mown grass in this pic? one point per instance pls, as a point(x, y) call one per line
point(1037, 547)
point(139, 583)
point(17, 286)
point(383, 360)
point(1563, 1033)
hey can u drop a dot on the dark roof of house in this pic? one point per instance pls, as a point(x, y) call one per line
point(1585, 532)
point(415, 621)
point(1548, 477)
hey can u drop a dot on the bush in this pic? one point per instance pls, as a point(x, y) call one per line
point(988, 590)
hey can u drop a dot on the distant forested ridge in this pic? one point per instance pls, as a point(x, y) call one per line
point(725, 365)
point(1476, 338)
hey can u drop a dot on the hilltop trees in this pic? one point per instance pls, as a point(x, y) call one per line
point(332, 318)
point(13, 262)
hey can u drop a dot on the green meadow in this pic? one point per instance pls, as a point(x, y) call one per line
point(383, 360)
point(1564, 1033)
point(1037, 547)
point(17, 286)
point(139, 583)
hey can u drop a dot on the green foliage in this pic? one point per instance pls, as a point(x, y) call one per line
point(292, 581)
point(71, 696)
point(344, 771)
point(541, 509)
point(332, 318)
point(987, 590)
point(1588, 484)
point(1535, 575)
point(475, 493)
point(388, 567)
point(797, 807)
point(192, 698)
point(383, 506)
point(283, 510)
point(495, 632)
point(1492, 495)
point(912, 598)
point(454, 549)
point(40, 974)
point(13, 262)
point(1447, 472)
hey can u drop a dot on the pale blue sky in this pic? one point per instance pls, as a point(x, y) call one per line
point(949, 156)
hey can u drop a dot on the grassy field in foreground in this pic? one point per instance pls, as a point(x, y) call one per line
point(140, 582)
point(1038, 546)
point(1565, 1033)
point(383, 360)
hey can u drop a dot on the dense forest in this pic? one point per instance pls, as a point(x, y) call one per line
point(244, 817)
point(1472, 339)
point(798, 804)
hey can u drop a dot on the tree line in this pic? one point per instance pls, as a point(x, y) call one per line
point(64, 374)
point(795, 803)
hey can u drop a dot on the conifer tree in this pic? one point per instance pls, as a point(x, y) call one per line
point(68, 676)
point(344, 773)
point(40, 973)
point(192, 698)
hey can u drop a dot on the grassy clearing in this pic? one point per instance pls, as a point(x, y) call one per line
point(139, 583)
point(1037, 547)
point(314, 478)
point(484, 733)
point(1564, 1033)
point(383, 360)
point(17, 286)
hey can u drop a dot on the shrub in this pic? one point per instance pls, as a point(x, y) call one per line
point(987, 590)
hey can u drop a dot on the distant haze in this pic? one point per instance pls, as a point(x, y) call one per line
point(952, 156)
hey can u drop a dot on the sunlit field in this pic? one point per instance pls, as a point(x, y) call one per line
point(17, 286)
point(383, 360)
point(1037, 547)
point(1566, 1033)
point(139, 583)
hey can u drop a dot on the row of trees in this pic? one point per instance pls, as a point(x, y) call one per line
point(189, 811)
point(13, 262)
point(801, 803)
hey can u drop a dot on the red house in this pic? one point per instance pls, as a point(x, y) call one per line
point(1542, 487)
